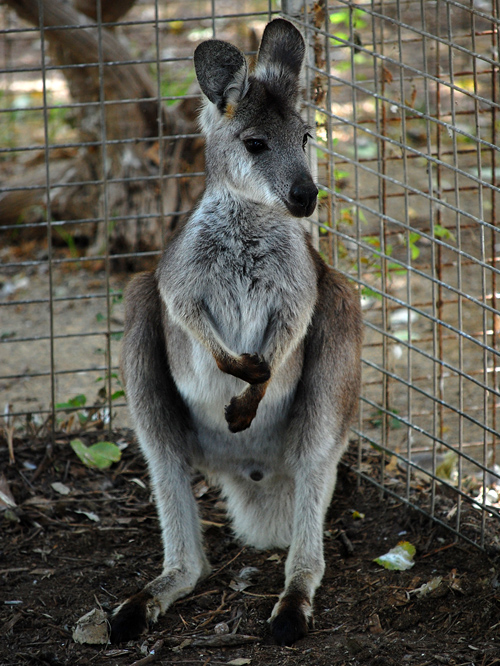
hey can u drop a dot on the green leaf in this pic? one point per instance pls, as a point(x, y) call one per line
point(443, 232)
point(340, 37)
point(372, 240)
point(82, 418)
point(73, 403)
point(370, 293)
point(399, 558)
point(340, 17)
point(101, 455)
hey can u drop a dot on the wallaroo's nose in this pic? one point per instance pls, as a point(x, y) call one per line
point(302, 197)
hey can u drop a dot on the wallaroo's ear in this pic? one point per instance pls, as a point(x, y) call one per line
point(222, 72)
point(280, 57)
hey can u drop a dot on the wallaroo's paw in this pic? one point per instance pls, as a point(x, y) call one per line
point(254, 369)
point(132, 618)
point(291, 619)
point(238, 416)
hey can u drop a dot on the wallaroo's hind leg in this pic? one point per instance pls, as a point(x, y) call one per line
point(164, 432)
point(323, 408)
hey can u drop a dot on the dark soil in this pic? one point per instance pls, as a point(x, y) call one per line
point(57, 563)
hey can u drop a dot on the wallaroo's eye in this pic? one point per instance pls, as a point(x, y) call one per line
point(304, 140)
point(255, 146)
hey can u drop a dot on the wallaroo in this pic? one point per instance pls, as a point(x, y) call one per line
point(241, 353)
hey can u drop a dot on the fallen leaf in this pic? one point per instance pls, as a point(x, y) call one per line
point(90, 515)
point(101, 455)
point(247, 573)
point(374, 624)
point(185, 643)
point(6, 497)
point(140, 483)
point(427, 588)
point(238, 585)
point(274, 558)
point(240, 661)
point(399, 558)
point(386, 75)
point(92, 628)
point(60, 488)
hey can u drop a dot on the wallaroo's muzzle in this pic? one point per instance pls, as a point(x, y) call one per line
point(302, 198)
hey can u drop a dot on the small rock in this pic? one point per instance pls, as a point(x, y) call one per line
point(221, 628)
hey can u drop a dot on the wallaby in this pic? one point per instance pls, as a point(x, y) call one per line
point(241, 354)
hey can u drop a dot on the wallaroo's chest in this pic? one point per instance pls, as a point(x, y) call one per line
point(240, 263)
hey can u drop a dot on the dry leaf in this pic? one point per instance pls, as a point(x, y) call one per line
point(92, 628)
point(6, 497)
point(374, 624)
point(386, 75)
point(60, 488)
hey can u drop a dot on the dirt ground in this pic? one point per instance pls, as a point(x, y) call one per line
point(62, 555)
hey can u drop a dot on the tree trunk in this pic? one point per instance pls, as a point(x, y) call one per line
point(139, 200)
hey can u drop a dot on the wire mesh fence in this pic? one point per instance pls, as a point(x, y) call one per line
point(100, 157)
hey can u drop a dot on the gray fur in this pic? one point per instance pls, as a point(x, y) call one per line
point(241, 352)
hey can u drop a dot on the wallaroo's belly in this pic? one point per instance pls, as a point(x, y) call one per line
point(206, 391)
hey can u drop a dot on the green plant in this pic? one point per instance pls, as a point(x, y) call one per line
point(119, 393)
point(411, 241)
point(377, 417)
point(69, 240)
point(101, 455)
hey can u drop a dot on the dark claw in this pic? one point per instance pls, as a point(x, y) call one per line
point(255, 369)
point(130, 621)
point(289, 626)
point(236, 417)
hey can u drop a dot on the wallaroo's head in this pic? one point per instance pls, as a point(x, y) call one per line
point(255, 134)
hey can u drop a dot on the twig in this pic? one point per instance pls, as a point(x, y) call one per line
point(217, 611)
point(227, 564)
point(346, 542)
point(153, 654)
point(438, 550)
point(197, 596)
point(46, 460)
point(214, 640)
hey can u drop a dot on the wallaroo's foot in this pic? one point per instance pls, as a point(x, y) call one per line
point(132, 618)
point(291, 619)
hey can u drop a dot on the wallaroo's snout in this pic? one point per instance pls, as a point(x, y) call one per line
point(302, 197)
